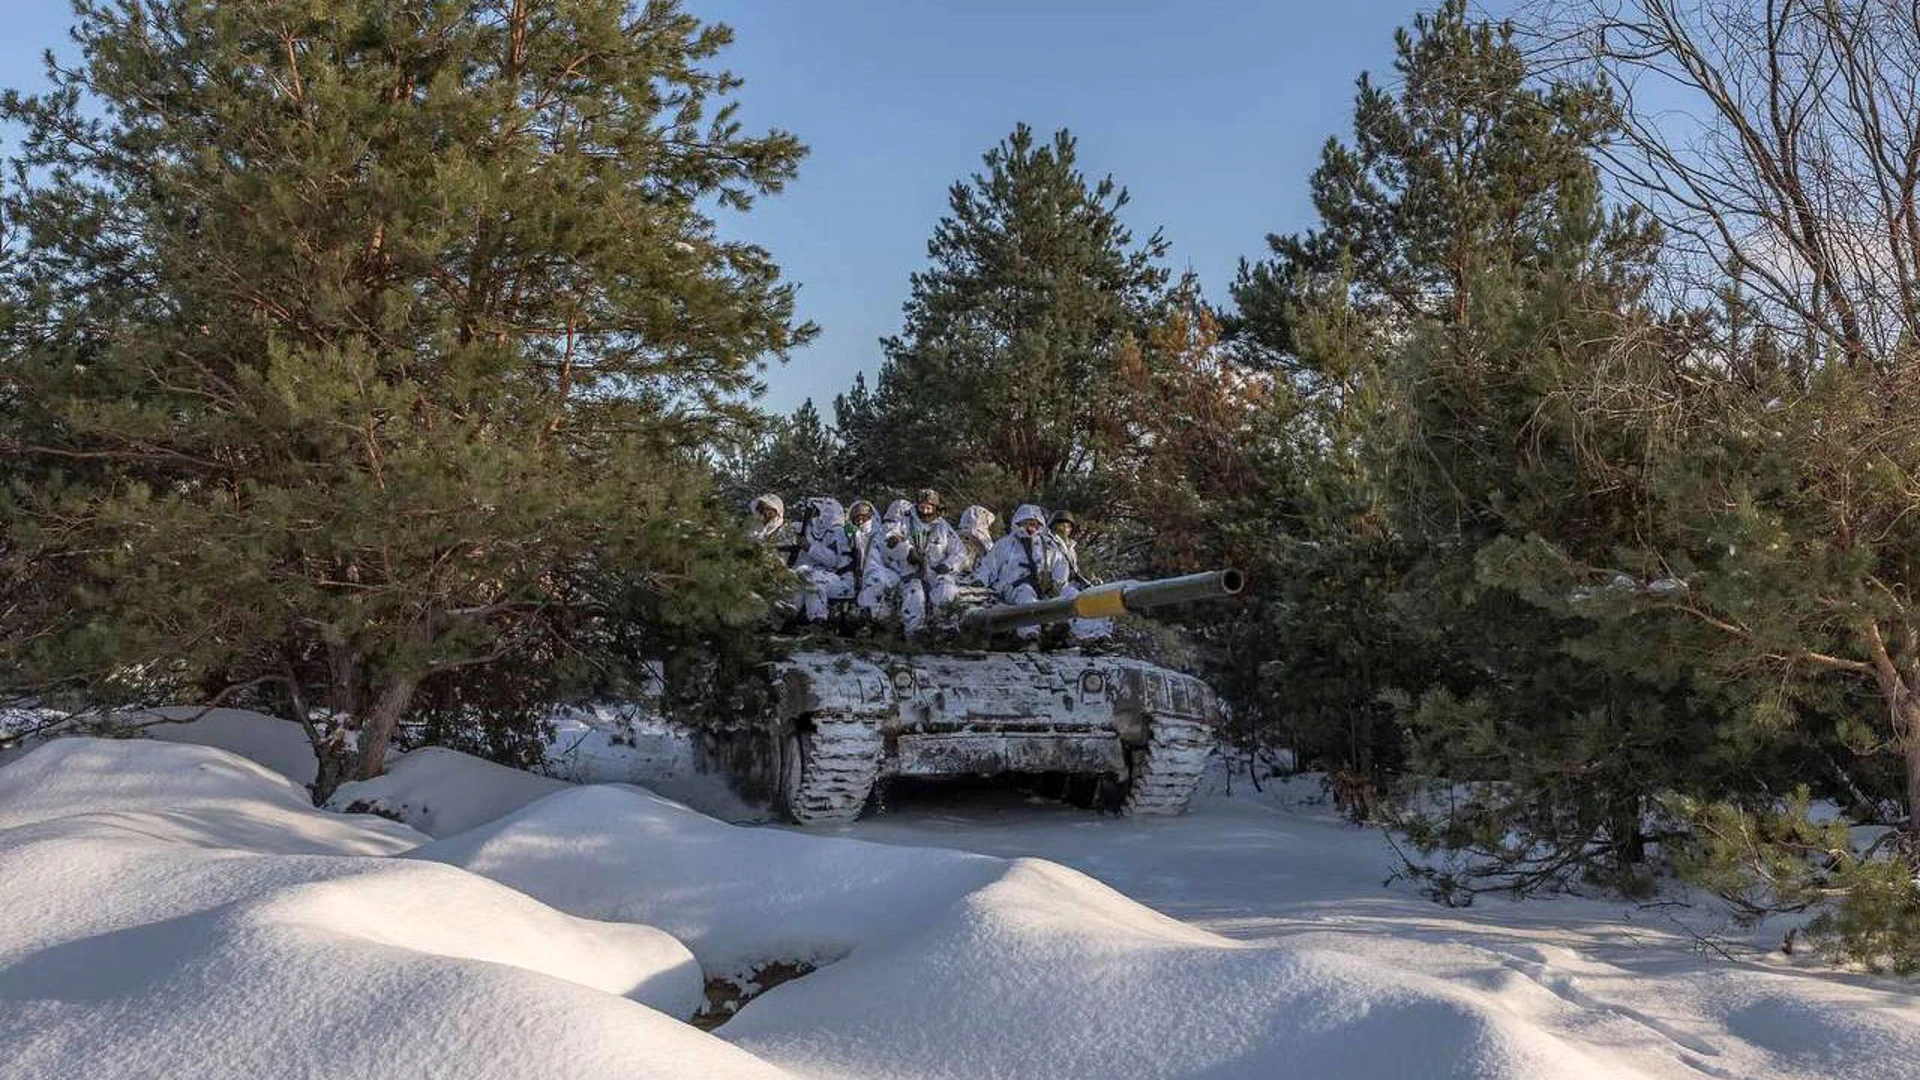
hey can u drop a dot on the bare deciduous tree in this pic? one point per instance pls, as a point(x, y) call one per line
point(1779, 142)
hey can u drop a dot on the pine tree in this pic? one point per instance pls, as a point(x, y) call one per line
point(1005, 365)
point(360, 347)
point(1461, 168)
point(792, 456)
point(862, 463)
point(1466, 292)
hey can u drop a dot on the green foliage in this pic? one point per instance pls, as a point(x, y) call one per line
point(1876, 923)
point(1791, 503)
point(792, 456)
point(1444, 327)
point(1466, 165)
point(355, 347)
point(1581, 551)
point(1770, 859)
point(1760, 860)
point(1006, 359)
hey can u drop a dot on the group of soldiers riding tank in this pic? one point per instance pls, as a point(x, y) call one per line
point(913, 564)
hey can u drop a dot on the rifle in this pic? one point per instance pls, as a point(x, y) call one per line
point(799, 544)
point(1073, 567)
point(1045, 590)
point(856, 555)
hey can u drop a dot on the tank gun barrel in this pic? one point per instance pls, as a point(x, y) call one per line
point(1104, 601)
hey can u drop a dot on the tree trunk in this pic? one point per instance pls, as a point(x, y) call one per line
point(329, 750)
point(1903, 709)
point(344, 665)
point(377, 724)
point(330, 771)
point(1911, 744)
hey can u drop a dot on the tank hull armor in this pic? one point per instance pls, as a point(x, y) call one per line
point(843, 721)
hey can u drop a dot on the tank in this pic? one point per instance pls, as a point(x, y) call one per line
point(843, 717)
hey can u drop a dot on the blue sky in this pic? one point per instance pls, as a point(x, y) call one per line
point(1211, 112)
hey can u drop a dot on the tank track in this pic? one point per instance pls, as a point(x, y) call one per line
point(1168, 768)
point(840, 760)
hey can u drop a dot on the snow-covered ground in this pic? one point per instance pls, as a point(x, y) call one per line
point(1643, 990)
point(179, 911)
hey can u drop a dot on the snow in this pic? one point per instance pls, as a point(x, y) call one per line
point(631, 743)
point(179, 911)
point(186, 910)
point(1290, 958)
point(1640, 991)
point(442, 792)
point(1046, 972)
point(738, 897)
point(1294, 960)
point(186, 794)
point(280, 745)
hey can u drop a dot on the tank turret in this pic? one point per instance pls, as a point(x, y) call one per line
point(1104, 601)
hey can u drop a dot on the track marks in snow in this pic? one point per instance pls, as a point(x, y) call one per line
point(1537, 964)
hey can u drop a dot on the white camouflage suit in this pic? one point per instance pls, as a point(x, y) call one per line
point(943, 555)
point(1017, 563)
point(861, 536)
point(824, 559)
point(976, 539)
point(892, 579)
point(768, 530)
point(1021, 568)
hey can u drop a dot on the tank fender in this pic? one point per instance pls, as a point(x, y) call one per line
point(841, 683)
point(1141, 692)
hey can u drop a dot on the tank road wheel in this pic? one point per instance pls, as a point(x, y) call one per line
point(827, 771)
point(1168, 768)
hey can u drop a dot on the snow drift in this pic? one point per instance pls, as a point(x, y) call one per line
point(738, 897)
point(442, 792)
point(182, 912)
point(278, 744)
point(179, 911)
point(945, 964)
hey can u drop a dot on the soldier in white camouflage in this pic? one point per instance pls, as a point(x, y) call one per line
point(976, 539)
point(938, 552)
point(860, 535)
point(1025, 565)
point(822, 554)
point(1064, 529)
point(892, 583)
point(772, 515)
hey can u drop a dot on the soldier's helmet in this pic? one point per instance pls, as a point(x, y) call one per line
point(1062, 517)
point(925, 497)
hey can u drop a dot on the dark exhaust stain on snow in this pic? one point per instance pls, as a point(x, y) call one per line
point(725, 996)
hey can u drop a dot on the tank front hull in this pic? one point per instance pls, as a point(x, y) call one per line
point(969, 713)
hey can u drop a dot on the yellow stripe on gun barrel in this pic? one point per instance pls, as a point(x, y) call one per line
point(1100, 604)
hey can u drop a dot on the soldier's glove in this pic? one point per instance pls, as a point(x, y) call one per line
point(942, 568)
point(914, 559)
